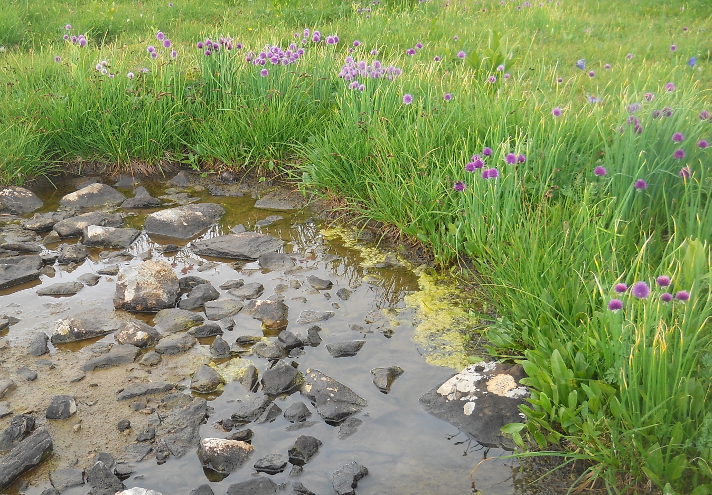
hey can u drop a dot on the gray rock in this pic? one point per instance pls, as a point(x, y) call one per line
point(190, 282)
point(50, 491)
point(5, 409)
point(110, 270)
point(18, 270)
point(199, 296)
point(38, 344)
point(183, 222)
point(232, 284)
point(202, 490)
point(305, 447)
point(308, 316)
point(96, 236)
point(90, 279)
point(42, 222)
point(269, 350)
point(383, 378)
point(91, 196)
point(147, 435)
point(138, 202)
point(18, 201)
point(223, 456)
point(299, 488)
point(249, 378)
point(27, 374)
point(222, 308)
point(127, 182)
point(255, 486)
point(66, 478)
point(288, 340)
point(137, 452)
point(175, 320)
point(208, 329)
point(137, 333)
point(102, 480)
point(241, 435)
point(150, 359)
point(273, 201)
point(61, 289)
point(124, 425)
point(74, 226)
point(19, 428)
point(179, 430)
point(6, 386)
point(244, 246)
point(206, 380)
point(251, 409)
point(86, 325)
point(118, 355)
point(238, 229)
point(313, 337)
point(181, 179)
point(229, 191)
point(140, 389)
point(272, 314)
point(219, 348)
point(269, 220)
point(319, 283)
point(271, 464)
point(297, 412)
point(247, 291)
point(29, 453)
point(349, 427)
point(281, 379)
point(272, 412)
point(61, 407)
point(22, 247)
point(73, 253)
point(275, 261)
point(150, 286)
point(176, 344)
point(345, 349)
point(343, 294)
point(334, 401)
point(346, 478)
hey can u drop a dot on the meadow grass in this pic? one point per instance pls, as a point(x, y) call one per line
point(540, 141)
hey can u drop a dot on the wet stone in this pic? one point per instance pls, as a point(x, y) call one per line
point(271, 464)
point(176, 344)
point(179, 430)
point(305, 447)
point(334, 401)
point(38, 344)
point(102, 480)
point(22, 247)
point(275, 261)
point(89, 279)
point(137, 452)
point(242, 435)
point(110, 270)
point(117, 356)
point(183, 222)
point(137, 333)
point(308, 316)
point(27, 374)
point(42, 222)
point(19, 428)
point(96, 236)
point(249, 378)
point(208, 329)
point(223, 456)
point(18, 200)
point(297, 412)
point(269, 350)
point(229, 191)
point(140, 389)
point(346, 478)
point(18, 270)
point(222, 308)
point(74, 226)
point(61, 407)
point(251, 409)
point(190, 282)
point(313, 337)
point(92, 195)
point(319, 283)
point(238, 229)
point(281, 379)
point(272, 412)
point(181, 179)
point(383, 378)
point(150, 359)
point(345, 349)
point(272, 314)
point(29, 453)
point(202, 490)
point(5, 409)
point(274, 201)
point(349, 427)
point(255, 486)
point(141, 199)
point(288, 340)
point(173, 320)
point(87, 325)
point(244, 246)
point(72, 253)
point(123, 471)
point(65, 478)
point(61, 289)
point(150, 286)
point(147, 435)
point(300, 489)
point(232, 284)
point(206, 380)
point(199, 296)
point(247, 291)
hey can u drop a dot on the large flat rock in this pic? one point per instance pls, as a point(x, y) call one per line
point(183, 222)
point(18, 200)
point(18, 270)
point(93, 195)
point(27, 454)
point(243, 246)
point(74, 226)
point(97, 236)
point(86, 325)
point(148, 287)
point(334, 401)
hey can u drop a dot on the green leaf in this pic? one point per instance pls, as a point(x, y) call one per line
point(512, 428)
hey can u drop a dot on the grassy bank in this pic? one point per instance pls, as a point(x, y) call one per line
point(561, 146)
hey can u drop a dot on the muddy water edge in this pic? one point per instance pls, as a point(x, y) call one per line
point(405, 449)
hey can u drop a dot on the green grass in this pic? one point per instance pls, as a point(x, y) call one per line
point(627, 390)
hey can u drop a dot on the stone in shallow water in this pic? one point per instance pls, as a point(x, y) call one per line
point(137, 333)
point(281, 379)
point(334, 401)
point(274, 201)
point(92, 195)
point(271, 464)
point(102, 480)
point(272, 314)
point(223, 456)
point(244, 246)
point(345, 349)
point(179, 430)
point(118, 355)
point(222, 308)
point(18, 270)
point(172, 320)
point(308, 316)
point(176, 344)
point(150, 286)
point(198, 296)
point(205, 380)
point(255, 486)
point(297, 412)
point(66, 478)
point(74, 226)
point(305, 447)
point(346, 478)
point(247, 291)
point(42, 222)
point(73, 253)
point(319, 283)
point(383, 378)
point(251, 409)
point(97, 236)
point(18, 200)
point(208, 329)
point(219, 348)
point(90, 279)
point(86, 325)
point(61, 289)
point(183, 222)
point(275, 261)
point(27, 454)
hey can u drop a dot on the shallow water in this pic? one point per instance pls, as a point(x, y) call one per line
point(406, 450)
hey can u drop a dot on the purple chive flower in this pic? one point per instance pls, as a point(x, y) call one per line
point(702, 144)
point(459, 186)
point(477, 162)
point(68, 27)
point(640, 184)
point(679, 154)
point(641, 290)
point(264, 72)
point(560, 80)
point(487, 151)
point(448, 97)
point(684, 172)
point(507, 75)
point(151, 49)
point(154, 55)
point(615, 304)
point(692, 62)
point(357, 43)
point(410, 51)
point(485, 173)
point(500, 68)
point(682, 295)
point(199, 45)
point(470, 167)
point(330, 40)
point(57, 59)
point(673, 48)
point(620, 288)
point(160, 36)
point(663, 280)
point(510, 159)
point(65, 37)
point(521, 159)
point(607, 66)
point(374, 52)
point(174, 54)
point(670, 87)
point(667, 112)
point(461, 54)
point(455, 38)
point(599, 171)
point(629, 56)
point(556, 112)
point(649, 96)
point(678, 137)
point(361, 87)
point(407, 99)
point(591, 73)
point(492, 79)
point(704, 115)
point(83, 42)
point(437, 58)
point(666, 297)
point(208, 53)
point(166, 43)
point(418, 46)
point(130, 75)
point(306, 33)
point(493, 173)
point(316, 37)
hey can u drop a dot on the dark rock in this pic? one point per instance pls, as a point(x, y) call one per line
point(118, 355)
point(288, 340)
point(255, 486)
point(300, 489)
point(275, 201)
point(175, 320)
point(61, 289)
point(22, 247)
point(124, 471)
point(242, 435)
point(269, 220)
point(208, 329)
point(229, 191)
point(87, 325)
point(275, 261)
point(181, 179)
point(345, 349)
point(147, 435)
point(244, 246)
point(89, 279)
point(74, 226)
point(313, 337)
point(199, 296)
point(281, 379)
point(138, 202)
point(18, 270)
point(297, 412)
point(271, 464)
point(29, 453)
point(190, 282)
point(183, 222)
point(222, 308)
point(102, 480)
point(206, 380)
point(308, 316)
point(91, 196)
point(305, 447)
point(232, 284)
point(66, 478)
point(272, 412)
point(137, 452)
point(334, 401)
point(346, 478)
point(124, 425)
point(5, 409)
point(343, 294)
point(219, 348)
point(269, 350)
point(272, 314)
point(126, 182)
point(61, 407)
point(319, 283)
point(150, 286)
point(150, 359)
point(249, 378)
point(301, 425)
point(20, 426)
point(176, 344)
point(38, 344)
point(179, 430)
point(140, 389)
point(202, 490)
point(96, 236)
point(110, 270)
point(42, 222)
point(73, 253)
point(251, 409)
point(137, 333)
point(383, 378)
point(247, 291)
point(27, 374)
point(223, 456)
point(18, 201)
point(349, 427)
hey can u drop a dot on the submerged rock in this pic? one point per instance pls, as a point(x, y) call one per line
point(86, 325)
point(271, 464)
point(383, 378)
point(74, 226)
point(18, 200)
point(272, 314)
point(18, 270)
point(308, 316)
point(244, 246)
point(275, 261)
point(223, 456)
point(205, 380)
point(173, 320)
point(281, 379)
point(222, 308)
point(183, 222)
point(255, 486)
point(297, 412)
point(334, 401)
point(319, 283)
point(42, 222)
point(247, 291)
point(150, 286)
point(28, 454)
point(61, 289)
point(345, 349)
point(305, 447)
point(346, 478)
point(96, 194)
point(251, 409)
point(96, 236)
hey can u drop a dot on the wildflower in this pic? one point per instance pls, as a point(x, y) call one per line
point(455, 38)
point(679, 154)
point(68, 27)
point(633, 108)
point(670, 87)
point(673, 48)
point(500, 68)
point(166, 43)
point(57, 59)
point(487, 151)
point(485, 173)
point(581, 64)
point(151, 49)
point(98, 67)
point(448, 97)
point(615, 304)
point(684, 172)
point(160, 36)
point(418, 46)
point(306, 33)
point(470, 167)
point(641, 290)
point(521, 159)
point(330, 40)
point(65, 37)
point(663, 280)
point(207, 53)
point(199, 45)
point(492, 79)
point(357, 43)
point(655, 114)
point(682, 295)
point(130, 75)
point(410, 51)
point(460, 54)
point(510, 159)
point(591, 74)
point(154, 55)
point(83, 42)
point(607, 66)
point(316, 37)
point(666, 297)
point(704, 115)
point(174, 54)
point(493, 173)
point(264, 72)
point(361, 87)
point(620, 288)
point(629, 56)
point(506, 76)
point(649, 96)
point(437, 58)
point(374, 52)
point(556, 112)
point(599, 171)
point(667, 112)
point(692, 61)
point(678, 137)
point(477, 162)
point(560, 80)
point(459, 186)
point(640, 184)
point(407, 99)
point(700, 144)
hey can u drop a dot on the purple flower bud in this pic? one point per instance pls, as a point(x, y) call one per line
point(448, 97)
point(208, 53)
point(678, 137)
point(556, 112)
point(702, 144)
point(704, 115)
point(83, 42)
point(620, 288)
point(510, 159)
point(492, 79)
point(673, 48)
point(684, 172)
point(264, 72)
point(640, 184)
point(666, 297)
point(670, 87)
point(607, 66)
point(599, 171)
point(57, 59)
point(641, 290)
point(407, 99)
point(68, 27)
point(166, 43)
point(591, 73)
point(682, 295)
point(418, 46)
point(493, 173)
point(174, 54)
point(459, 186)
point(130, 75)
point(200, 45)
point(410, 51)
point(66, 37)
point(615, 304)
point(487, 152)
point(160, 36)
point(461, 54)
point(150, 49)
point(437, 58)
point(560, 80)
point(357, 43)
point(521, 159)
point(679, 154)
point(663, 280)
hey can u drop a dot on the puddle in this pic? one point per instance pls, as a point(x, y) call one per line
point(404, 323)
